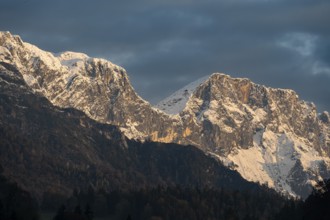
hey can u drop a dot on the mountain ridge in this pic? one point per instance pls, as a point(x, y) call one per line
point(229, 118)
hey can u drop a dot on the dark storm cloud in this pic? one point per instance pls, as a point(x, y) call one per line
point(167, 44)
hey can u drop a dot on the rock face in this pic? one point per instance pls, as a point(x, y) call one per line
point(268, 135)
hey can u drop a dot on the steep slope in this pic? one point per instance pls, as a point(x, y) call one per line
point(50, 150)
point(234, 120)
point(268, 135)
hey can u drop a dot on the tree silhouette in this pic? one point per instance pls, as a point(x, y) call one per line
point(2, 211)
point(88, 212)
point(317, 204)
point(77, 210)
point(60, 215)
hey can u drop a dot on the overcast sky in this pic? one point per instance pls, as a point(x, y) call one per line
point(166, 44)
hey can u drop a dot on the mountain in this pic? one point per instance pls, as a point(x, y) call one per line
point(268, 135)
point(48, 150)
point(95, 86)
point(233, 120)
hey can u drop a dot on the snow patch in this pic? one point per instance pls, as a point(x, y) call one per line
point(250, 163)
point(30, 80)
point(176, 102)
point(273, 156)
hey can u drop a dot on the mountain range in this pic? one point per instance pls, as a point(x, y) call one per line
point(267, 135)
point(50, 150)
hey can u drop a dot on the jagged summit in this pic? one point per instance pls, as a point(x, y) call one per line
point(176, 102)
point(269, 135)
point(95, 86)
point(7, 34)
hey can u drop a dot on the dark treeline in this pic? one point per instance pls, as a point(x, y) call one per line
point(193, 203)
point(166, 203)
point(315, 207)
point(15, 203)
point(174, 203)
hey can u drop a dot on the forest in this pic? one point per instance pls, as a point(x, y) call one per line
point(164, 203)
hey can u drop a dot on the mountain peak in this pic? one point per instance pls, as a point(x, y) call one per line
point(241, 122)
point(176, 103)
point(95, 86)
point(8, 35)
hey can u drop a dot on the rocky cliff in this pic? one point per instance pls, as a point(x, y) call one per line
point(95, 86)
point(268, 135)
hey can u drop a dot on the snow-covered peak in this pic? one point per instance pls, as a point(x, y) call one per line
point(7, 36)
point(27, 56)
point(176, 102)
point(95, 86)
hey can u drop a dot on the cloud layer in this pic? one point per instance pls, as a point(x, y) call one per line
point(167, 44)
